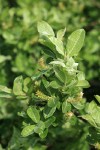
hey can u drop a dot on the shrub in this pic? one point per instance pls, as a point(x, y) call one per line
point(50, 104)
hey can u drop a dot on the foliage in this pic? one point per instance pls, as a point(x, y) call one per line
point(22, 54)
point(19, 38)
point(51, 103)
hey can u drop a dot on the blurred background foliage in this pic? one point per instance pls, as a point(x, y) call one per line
point(20, 51)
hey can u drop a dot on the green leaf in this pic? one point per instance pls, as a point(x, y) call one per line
point(96, 117)
point(43, 134)
point(18, 86)
point(91, 107)
point(75, 42)
point(58, 63)
point(33, 113)
point(48, 112)
point(49, 122)
point(26, 84)
point(84, 84)
point(89, 119)
point(81, 80)
point(4, 58)
point(79, 104)
point(58, 105)
point(5, 89)
point(22, 97)
point(28, 130)
point(98, 98)
point(71, 66)
point(61, 33)
point(5, 95)
point(54, 84)
point(47, 42)
point(58, 44)
point(59, 47)
point(45, 29)
point(60, 73)
point(53, 102)
point(40, 127)
point(81, 76)
point(93, 114)
point(66, 106)
point(38, 75)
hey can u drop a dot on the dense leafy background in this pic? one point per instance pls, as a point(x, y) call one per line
point(21, 52)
